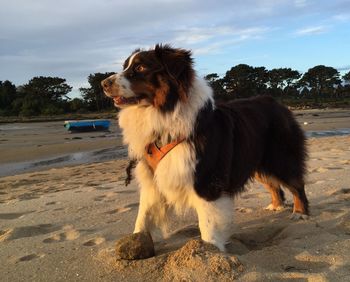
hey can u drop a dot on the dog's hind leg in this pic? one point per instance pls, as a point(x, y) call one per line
point(215, 220)
point(273, 186)
point(301, 204)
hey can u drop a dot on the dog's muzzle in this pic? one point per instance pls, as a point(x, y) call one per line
point(112, 89)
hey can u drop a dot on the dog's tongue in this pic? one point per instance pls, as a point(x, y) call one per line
point(119, 100)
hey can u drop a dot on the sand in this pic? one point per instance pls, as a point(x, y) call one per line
point(60, 224)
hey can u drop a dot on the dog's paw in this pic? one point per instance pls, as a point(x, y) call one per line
point(270, 207)
point(299, 216)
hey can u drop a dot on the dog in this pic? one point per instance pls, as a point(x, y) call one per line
point(194, 153)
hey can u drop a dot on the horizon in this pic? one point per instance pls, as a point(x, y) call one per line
point(81, 38)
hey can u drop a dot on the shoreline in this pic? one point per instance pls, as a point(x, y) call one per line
point(35, 146)
point(113, 115)
point(108, 153)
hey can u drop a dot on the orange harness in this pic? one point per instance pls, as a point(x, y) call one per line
point(154, 154)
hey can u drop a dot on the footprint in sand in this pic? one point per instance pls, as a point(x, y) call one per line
point(335, 167)
point(321, 169)
point(93, 184)
point(30, 257)
point(133, 205)
point(244, 210)
point(125, 192)
point(27, 231)
point(102, 187)
point(264, 236)
point(336, 150)
point(311, 261)
point(99, 198)
point(118, 210)
point(342, 191)
point(94, 242)
point(344, 224)
point(9, 216)
point(28, 196)
point(64, 236)
point(123, 209)
point(4, 234)
point(316, 182)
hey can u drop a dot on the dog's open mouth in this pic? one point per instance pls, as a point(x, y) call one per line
point(119, 100)
point(123, 101)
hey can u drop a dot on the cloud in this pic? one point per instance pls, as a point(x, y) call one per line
point(300, 3)
point(342, 18)
point(236, 37)
point(72, 39)
point(312, 30)
point(194, 36)
point(88, 36)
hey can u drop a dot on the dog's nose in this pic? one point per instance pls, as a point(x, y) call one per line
point(106, 83)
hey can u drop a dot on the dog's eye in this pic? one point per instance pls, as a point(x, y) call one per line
point(140, 68)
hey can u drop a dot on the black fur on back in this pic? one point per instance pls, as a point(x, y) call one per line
point(235, 140)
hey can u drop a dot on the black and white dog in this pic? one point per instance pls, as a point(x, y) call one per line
point(193, 153)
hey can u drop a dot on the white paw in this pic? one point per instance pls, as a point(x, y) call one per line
point(298, 216)
point(270, 207)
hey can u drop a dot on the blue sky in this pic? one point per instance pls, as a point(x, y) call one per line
point(73, 38)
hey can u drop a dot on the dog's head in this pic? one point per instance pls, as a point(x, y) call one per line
point(160, 77)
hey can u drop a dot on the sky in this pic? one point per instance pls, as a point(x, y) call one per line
point(74, 38)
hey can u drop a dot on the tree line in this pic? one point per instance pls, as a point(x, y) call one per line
point(48, 95)
point(318, 84)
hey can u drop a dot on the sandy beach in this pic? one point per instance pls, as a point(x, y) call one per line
point(59, 219)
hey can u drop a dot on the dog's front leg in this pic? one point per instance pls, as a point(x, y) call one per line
point(142, 221)
point(152, 209)
point(215, 220)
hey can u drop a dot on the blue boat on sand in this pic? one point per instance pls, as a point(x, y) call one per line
point(87, 125)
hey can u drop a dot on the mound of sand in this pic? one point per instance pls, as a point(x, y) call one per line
point(195, 261)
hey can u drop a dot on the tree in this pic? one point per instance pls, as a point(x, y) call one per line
point(52, 89)
point(30, 106)
point(7, 96)
point(77, 105)
point(44, 95)
point(322, 80)
point(94, 96)
point(282, 80)
point(345, 89)
point(244, 81)
point(216, 83)
point(346, 77)
point(291, 77)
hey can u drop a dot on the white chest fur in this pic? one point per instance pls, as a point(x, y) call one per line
point(142, 125)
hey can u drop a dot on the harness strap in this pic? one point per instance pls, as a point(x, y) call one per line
point(154, 154)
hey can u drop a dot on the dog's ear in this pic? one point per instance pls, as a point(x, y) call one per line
point(174, 60)
point(178, 65)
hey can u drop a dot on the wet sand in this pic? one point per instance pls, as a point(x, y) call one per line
point(34, 146)
point(28, 147)
point(60, 224)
